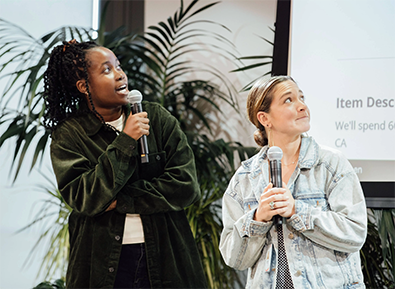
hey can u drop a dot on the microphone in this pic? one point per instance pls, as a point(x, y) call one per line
point(275, 155)
point(134, 98)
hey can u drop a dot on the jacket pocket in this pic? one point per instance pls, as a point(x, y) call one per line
point(316, 199)
point(155, 166)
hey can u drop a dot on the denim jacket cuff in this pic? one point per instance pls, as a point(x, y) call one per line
point(301, 221)
point(251, 228)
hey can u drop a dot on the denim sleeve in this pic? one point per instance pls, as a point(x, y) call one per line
point(342, 224)
point(242, 238)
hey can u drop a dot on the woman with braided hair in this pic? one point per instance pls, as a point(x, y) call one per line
point(127, 227)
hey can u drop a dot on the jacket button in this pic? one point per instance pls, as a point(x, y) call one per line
point(291, 235)
point(117, 238)
point(298, 273)
point(111, 270)
point(132, 147)
point(158, 158)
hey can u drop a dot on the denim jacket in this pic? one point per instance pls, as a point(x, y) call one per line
point(322, 239)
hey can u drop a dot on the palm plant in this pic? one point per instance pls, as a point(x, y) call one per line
point(157, 64)
point(57, 284)
point(378, 252)
point(263, 61)
point(27, 57)
point(386, 230)
point(53, 220)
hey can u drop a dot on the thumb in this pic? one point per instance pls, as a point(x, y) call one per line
point(269, 186)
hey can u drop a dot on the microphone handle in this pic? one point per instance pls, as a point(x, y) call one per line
point(136, 108)
point(276, 179)
point(275, 172)
point(144, 149)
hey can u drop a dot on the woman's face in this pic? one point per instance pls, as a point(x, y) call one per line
point(107, 82)
point(288, 114)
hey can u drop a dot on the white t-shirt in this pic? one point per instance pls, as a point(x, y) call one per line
point(133, 232)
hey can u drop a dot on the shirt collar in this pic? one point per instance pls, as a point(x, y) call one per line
point(92, 124)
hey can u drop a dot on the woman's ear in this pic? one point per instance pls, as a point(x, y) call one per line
point(81, 86)
point(262, 118)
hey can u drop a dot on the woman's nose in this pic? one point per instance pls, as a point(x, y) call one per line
point(302, 105)
point(121, 75)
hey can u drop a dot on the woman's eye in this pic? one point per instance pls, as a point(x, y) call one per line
point(107, 69)
point(288, 100)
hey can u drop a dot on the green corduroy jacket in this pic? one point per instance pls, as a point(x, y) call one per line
point(94, 166)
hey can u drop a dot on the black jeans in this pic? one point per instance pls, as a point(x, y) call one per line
point(132, 268)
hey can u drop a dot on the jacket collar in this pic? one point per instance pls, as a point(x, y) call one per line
point(308, 154)
point(92, 124)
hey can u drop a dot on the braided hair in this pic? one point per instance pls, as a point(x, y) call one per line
point(67, 65)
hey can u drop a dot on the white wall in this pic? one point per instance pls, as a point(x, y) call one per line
point(20, 202)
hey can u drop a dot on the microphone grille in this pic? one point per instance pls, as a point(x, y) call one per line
point(134, 96)
point(275, 154)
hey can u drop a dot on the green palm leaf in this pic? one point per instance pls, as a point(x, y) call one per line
point(30, 56)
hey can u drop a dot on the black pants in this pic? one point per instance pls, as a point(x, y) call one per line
point(132, 268)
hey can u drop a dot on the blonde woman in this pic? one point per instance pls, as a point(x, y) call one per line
point(321, 202)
